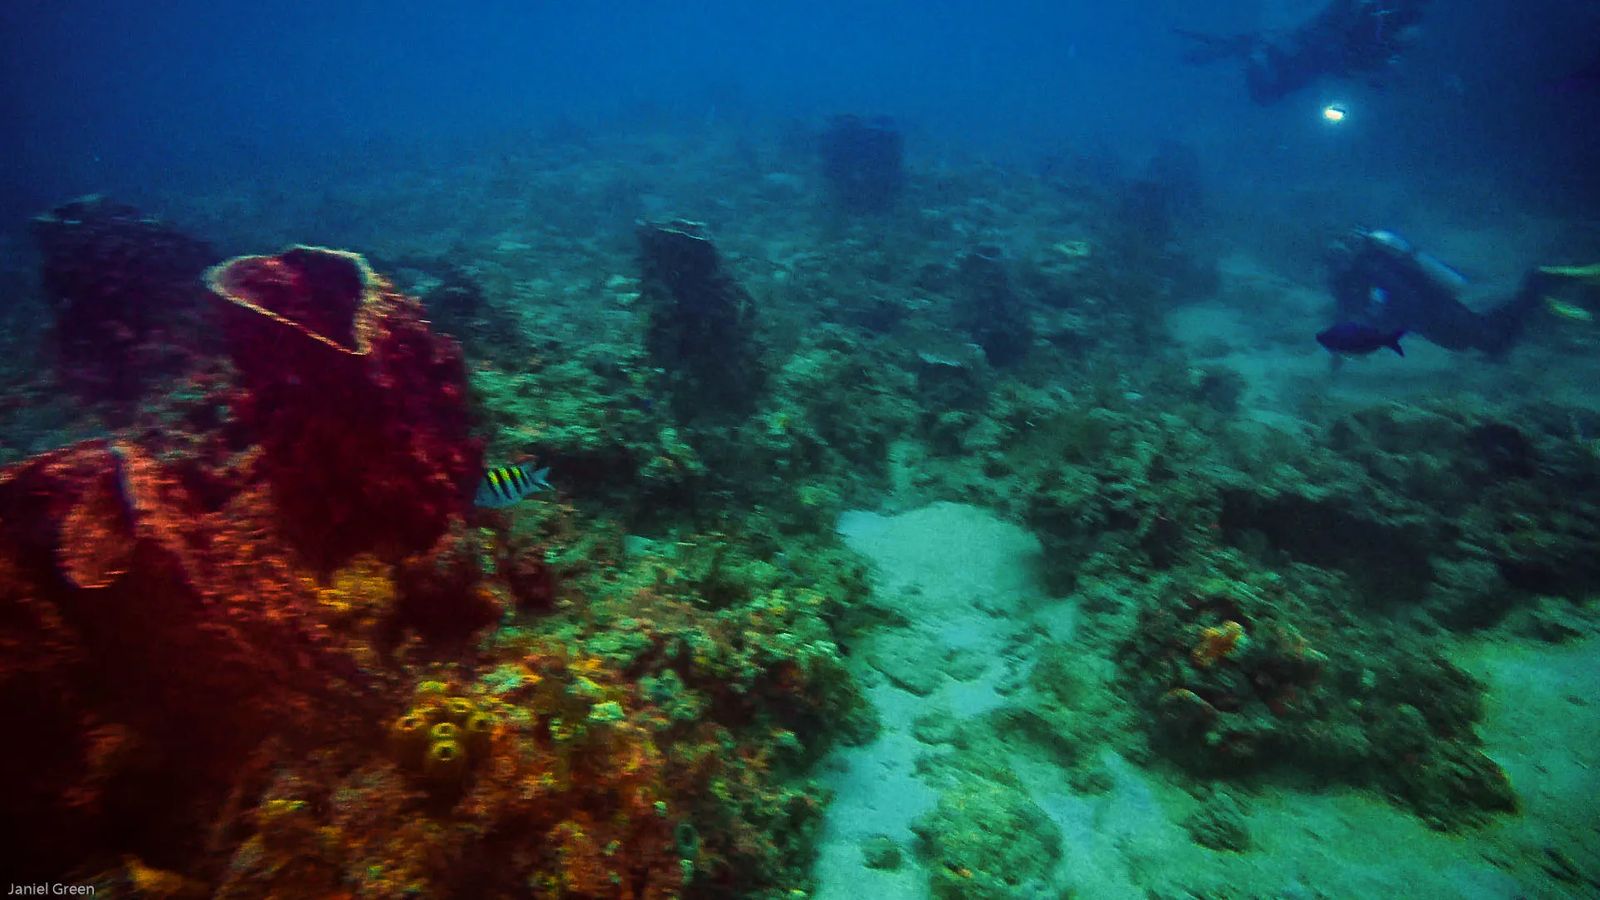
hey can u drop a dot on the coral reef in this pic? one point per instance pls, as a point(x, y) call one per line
point(260, 646)
point(651, 751)
point(881, 852)
point(1430, 511)
point(456, 301)
point(1115, 486)
point(1238, 689)
point(1300, 584)
point(440, 596)
point(360, 410)
point(554, 772)
point(987, 841)
point(442, 738)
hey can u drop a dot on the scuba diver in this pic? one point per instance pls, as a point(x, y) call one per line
point(1346, 38)
point(1382, 285)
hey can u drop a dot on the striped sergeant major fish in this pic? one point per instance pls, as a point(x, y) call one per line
point(503, 486)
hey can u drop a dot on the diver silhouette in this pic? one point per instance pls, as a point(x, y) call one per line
point(1379, 280)
point(1346, 38)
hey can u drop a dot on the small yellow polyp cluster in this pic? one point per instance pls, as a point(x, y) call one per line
point(441, 737)
point(1218, 642)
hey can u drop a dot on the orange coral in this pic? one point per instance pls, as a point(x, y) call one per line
point(202, 647)
point(552, 752)
point(1217, 642)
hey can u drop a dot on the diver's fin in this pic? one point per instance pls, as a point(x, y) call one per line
point(1589, 274)
point(1504, 324)
point(1394, 342)
point(1569, 311)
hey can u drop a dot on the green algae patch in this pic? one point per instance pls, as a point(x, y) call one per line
point(1219, 823)
point(880, 851)
point(1249, 672)
point(986, 840)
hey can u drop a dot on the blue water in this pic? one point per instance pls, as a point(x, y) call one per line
point(126, 97)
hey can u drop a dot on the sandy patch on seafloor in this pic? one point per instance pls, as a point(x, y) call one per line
point(966, 584)
point(1542, 725)
point(963, 580)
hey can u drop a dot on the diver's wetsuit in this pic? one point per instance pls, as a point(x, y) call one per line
point(1346, 38)
point(1378, 280)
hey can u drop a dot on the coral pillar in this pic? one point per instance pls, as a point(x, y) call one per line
point(702, 323)
point(359, 407)
point(863, 163)
point(127, 294)
point(989, 307)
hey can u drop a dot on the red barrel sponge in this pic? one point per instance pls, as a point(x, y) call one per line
point(360, 408)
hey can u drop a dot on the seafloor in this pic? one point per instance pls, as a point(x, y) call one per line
point(1016, 541)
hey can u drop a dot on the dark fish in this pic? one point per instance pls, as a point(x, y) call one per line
point(505, 485)
point(1354, 338)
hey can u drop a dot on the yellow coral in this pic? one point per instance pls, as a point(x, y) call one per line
point(446, 764)
point(284, 823)
point(1218, 642)
point(432, 689)
point(364, 588)
point(408, 739)
point(159, 883)
point(458, 709)
point(478, 733)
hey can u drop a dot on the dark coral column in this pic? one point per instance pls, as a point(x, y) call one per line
point(127, 295)
point(702, 328)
